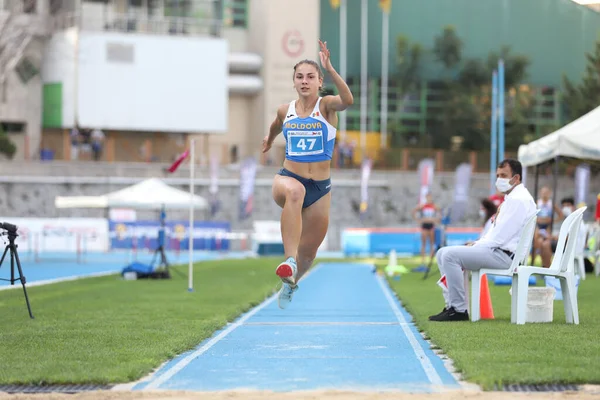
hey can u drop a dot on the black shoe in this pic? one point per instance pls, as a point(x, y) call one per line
point(435, 317)
point(451, 315)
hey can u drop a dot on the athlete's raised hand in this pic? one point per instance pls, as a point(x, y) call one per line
point(344, 99)
point(266, 144)
point(324, 55)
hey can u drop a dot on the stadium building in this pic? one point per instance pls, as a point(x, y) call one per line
point(149, 73)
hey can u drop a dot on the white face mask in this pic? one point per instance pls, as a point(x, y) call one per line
point(567, 211)
point(482, 213)
point(503, 184)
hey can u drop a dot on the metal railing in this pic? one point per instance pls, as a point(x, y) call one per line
point(412, 112)
point(13, 42)
point(408, 159)
point(192, 26)
point(18, 6)
point(235, 14)
point(208, 19)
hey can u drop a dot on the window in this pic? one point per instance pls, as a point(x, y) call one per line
point(177, 8)
point(12, 127)
point(26, 70)
point(55, 6)
point(239, 11)
point(29, 6)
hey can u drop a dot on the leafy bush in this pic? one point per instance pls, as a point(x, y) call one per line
point(7, 147)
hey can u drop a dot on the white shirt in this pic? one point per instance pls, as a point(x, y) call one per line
point(486, 227)
point(510, 220)
point(97, 135)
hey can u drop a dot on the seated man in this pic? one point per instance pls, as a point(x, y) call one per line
point(548, 244)
point(545, 217)
point(495, 249)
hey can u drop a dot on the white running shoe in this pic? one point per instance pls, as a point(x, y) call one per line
point(287, 271)
point(285, 295)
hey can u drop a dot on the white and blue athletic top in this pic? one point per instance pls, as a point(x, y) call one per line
point(309, 139)
point(546, 208)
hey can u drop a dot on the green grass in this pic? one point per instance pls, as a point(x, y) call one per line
point(495, 351)
point(106, 330)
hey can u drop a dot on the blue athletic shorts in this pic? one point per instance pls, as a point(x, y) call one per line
point(314, 189)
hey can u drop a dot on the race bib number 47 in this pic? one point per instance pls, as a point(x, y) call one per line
point(305, 143)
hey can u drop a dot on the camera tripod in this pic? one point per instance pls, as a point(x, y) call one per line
point(163, 263)
point(11, 232)
point(159, 252)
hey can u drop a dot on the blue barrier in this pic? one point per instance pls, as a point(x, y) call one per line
point(147, 235)
point(500, 280)
point(407, 241)
point(270, 249)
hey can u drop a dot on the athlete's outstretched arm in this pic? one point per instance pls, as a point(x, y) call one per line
point(344, 99)
point(415, 211)
point(275, 128)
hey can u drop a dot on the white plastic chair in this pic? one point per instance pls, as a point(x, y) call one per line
point(595, 251)
point(562, 267)
point(520, 257)
point(597, 261)
point(580, 251)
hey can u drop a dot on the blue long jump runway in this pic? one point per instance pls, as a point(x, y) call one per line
point(344, 330)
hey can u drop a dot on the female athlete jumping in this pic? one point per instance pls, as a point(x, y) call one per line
point(302, 187)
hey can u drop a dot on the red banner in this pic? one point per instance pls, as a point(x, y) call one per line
point(178, 162)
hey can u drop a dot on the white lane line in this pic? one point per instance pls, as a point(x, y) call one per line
point(169, 373)
point(18, 285)
point(319, 323)
point(185, 361)
point(428, 367)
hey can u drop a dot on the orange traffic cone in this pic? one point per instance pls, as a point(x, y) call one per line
point(486, 310)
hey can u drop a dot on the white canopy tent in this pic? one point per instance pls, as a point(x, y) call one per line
point(151, 194)
point(578, 139)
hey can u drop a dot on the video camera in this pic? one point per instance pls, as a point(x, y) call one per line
point(9, 227)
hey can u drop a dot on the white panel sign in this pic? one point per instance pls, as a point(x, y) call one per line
point(59, 234)
point(152, 83)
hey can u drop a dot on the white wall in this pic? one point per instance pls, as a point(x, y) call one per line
point(282, 39)
point(58, 66)
point(170, 84)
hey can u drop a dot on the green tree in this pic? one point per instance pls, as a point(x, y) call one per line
point(515, 66)
point(408, 61)
point(448, 47)
point(459, 114)
point(467, 110)
point(583, 98)
point(519, 111)
point(518, 104)
point(474, 74)
point(407, 82)
point(465, 92)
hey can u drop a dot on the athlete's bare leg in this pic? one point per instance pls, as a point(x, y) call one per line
point(315, 220)
point(432, 242)
point(423, 245)
point(288, 193)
